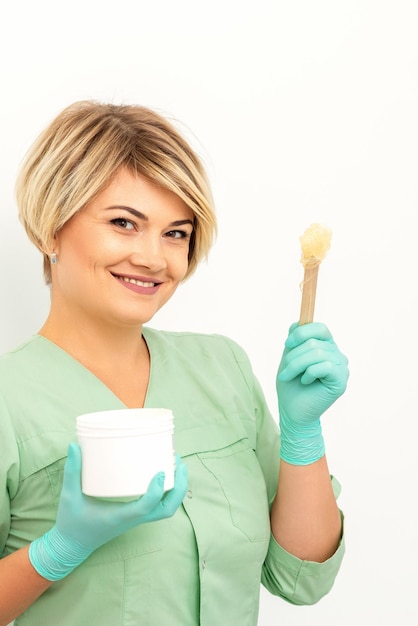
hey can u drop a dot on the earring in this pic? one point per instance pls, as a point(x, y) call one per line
point(53, 258)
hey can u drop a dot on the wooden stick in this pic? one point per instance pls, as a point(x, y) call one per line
point(307, 307)
point(315, 244)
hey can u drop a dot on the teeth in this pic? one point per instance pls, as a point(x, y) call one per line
point(140, 283)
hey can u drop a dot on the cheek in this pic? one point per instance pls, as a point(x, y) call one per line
point(182, 265)
point(91, 251)
point(110, 249)
point(177, 259)
point(76, 262)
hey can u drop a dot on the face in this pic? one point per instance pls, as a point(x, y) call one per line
point(122, 256)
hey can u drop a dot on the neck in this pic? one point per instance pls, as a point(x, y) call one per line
point(116, 354)
point(94, 344)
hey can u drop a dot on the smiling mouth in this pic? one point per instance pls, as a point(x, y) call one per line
point(135, 281)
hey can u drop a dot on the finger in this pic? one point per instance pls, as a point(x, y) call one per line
point(173, 498)
point(315, 330)
point(292, 327)
point(181, 477)
point(178, 463)
point(152, 497)
point(71, 494)
point(317, 372)
point(72, 468)
point(299, 360)
point(314, 346)
point(332, 376)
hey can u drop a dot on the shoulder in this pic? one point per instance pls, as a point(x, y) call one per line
point(19, 353)
point(20, 363)
point(202, 349)
point(200, 343)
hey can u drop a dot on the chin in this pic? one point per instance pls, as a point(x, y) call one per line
point(136, 321)
point(137, 316)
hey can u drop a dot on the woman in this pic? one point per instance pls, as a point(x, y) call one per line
point(119, 205)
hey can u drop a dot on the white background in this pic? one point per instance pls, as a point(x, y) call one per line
point(303, 112)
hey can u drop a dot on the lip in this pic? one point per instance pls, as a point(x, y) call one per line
point(150, 287)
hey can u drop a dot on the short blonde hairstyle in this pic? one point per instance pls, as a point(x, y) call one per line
point(81, 151)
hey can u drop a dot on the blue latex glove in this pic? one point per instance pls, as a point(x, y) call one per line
point(85, 523)
point(312, 374)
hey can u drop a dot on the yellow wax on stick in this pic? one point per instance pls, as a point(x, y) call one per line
point(315, 243)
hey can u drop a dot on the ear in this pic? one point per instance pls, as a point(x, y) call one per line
point(55, 242)
point(50, 246)
point(53, 246)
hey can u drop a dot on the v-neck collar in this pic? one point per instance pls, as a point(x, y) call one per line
point(148, 337)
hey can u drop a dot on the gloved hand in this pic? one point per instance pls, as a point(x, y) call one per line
point(312, 374)
point(85, 523)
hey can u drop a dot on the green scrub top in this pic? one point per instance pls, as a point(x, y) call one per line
point(205, 564)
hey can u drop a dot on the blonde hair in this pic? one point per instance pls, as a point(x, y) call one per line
point(83, 148)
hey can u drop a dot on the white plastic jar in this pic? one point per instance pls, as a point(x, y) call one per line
point(122, 449)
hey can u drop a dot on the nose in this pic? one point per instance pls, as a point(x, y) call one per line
point(149, 253)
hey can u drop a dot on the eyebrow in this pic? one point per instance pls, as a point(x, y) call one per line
point(144, 217)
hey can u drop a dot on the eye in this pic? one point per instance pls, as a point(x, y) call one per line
point(178, 234)
point(123, 223)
